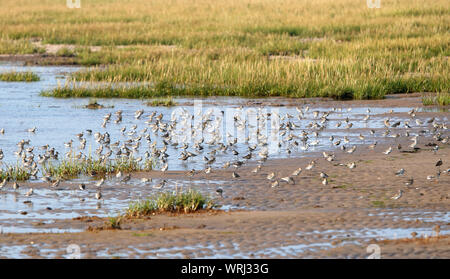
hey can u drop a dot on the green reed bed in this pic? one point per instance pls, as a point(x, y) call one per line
point(15, 173)
point(165, 102)
point(181, 202)
point(242, 48)
point(14, 76)
point(441, 99)
point(71, 168)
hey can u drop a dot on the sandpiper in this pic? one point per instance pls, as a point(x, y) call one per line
point(3, 183)
point(270, 176)
point(160, 185)
point(387, 151)
point(297, 172)
point(98, 195)
point(100, 183)
point(275, 184)
point(400, 172)
point(219, 192)
point(56, 183)
point(235, 175)
point(288, 179)
point(165, 167)
point(398, 195)
point(409, 181)
point(29, 193)
point(82, 186)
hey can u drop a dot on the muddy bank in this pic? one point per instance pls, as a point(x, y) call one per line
point(306, 219)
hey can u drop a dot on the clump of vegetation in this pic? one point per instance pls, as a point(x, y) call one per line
point(15, 173)
point(114, 222)
point(14, 76)
point(181, 202)
point(379, 204)
point(71, 168)
point(65, 52)
point(441, 99)
point(166, 102)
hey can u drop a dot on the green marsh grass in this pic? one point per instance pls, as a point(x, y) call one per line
point(114, 222)
point(249, 48)
point(15, 173)
point(14, 76)
point(71, 168)
point(166, 102)
point(181, 202)
point(441, 99)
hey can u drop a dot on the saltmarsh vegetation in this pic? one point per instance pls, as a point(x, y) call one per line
point(166, 102)
point(441, 99)
point(175, 202)
point(252, 48)
point(14, 76)
point(72, 167)
point(15, 173)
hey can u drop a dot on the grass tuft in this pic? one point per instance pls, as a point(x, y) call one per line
point(71, 168)
point(14, 76)
point(166, 102)
point(441, 99)
point(15, 173)
point(182, 202)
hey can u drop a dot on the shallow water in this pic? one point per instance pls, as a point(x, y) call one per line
point(59, 120)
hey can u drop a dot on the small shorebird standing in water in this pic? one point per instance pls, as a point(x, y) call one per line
point(219, 192)
point(126, 178)
point(3, 183)
point(98, 195)
point(100, 183)
point(160, 185)
point(29, 193)
point(56, 183)
point(398, 195)
point(400, 172)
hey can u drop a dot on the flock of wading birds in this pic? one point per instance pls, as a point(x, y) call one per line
point(167, 131)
